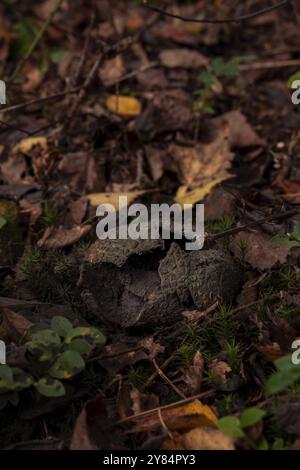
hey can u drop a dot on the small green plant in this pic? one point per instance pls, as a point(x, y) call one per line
point(220, 225)
point(186, 354)
point(211, 80)
point(237, 426)
point(49, 215)
point(287, 375)
point(54, 354)
point(138, 376)
point(290, 239)
point(233, 354)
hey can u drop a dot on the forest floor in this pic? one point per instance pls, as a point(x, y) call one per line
point(108, 98)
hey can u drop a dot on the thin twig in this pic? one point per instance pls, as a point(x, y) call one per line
point(167, 380)
point(237, 19)
point(37, 39)
point(242, 228)
point(166, 407)
point(17, 107)
point(14, 128)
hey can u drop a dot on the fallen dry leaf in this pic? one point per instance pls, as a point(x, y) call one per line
point(270, 352)
point(125, 106)
point(241, 133)
point(183, 58)
point(200, 438)
point(62, 236)
point(97, 199)
point(261, 253)
point(26, 145)
point(177, 418)
point(13, 326)
point(183, 196)
point(31, 78)
point(93, 412)
point(220, 370)
point(193, 376)
point(204, 163)
point(112, 70)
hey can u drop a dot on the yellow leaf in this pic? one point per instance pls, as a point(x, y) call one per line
point(183, 196)
point(125, 106)
point(200, 165)
point(113, 198)
point(178, 418)
point(26, 145)
point(200, 439)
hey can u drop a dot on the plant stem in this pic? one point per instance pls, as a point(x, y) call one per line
point(37, 39)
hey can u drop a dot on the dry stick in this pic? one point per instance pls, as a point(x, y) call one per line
point(218, 21)
point(37, 39)
point(167, 380)
point(105, 51)
point(83, 55)
point(271, 64)
point(17, 107)
point(166, 407)
point(242, 228)
point(14, 128)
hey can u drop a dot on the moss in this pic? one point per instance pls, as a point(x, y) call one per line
point(52, 275)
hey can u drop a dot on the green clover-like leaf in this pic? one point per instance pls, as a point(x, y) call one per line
point(68, 364)
point(49, 387)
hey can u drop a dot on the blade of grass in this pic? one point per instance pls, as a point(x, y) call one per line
point(37, 39)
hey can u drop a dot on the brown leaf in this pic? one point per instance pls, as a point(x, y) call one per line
point(142, 402)
point(203, 163)
point(93, 412)
point(175, 33)
point(168, 111)
point(13, 169)
point(194, 374)
point(290, 189)
point(153, 348)
point(31, 78)
point(112, 70)
point(270, 352)
point(14, 326)
point(177, 418)
point(220, 370)
point(200, 438)
point(261, 253)
point(60, 237)
point(183, 58)
point(241, 134)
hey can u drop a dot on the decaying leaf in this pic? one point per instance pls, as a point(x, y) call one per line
point(184, 58)
point(200, 438)
point(97, 199)
point(26, 145)
point(194, 374)
point(184, 196)
point(241, 134)
point(94, 413)
point(202, 167)
point(124, 106)
point(13, 326)
point(270, 352)
point(220, 370)
point(62, 236)
point(261, 253)
point(177, 418)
